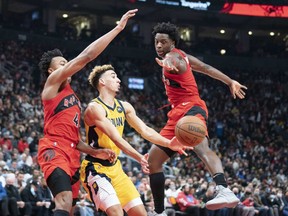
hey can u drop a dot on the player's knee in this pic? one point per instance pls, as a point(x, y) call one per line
point(202, 148)
point(115, 210)
point(64, 200)
point(138, 210)
point(156, 158)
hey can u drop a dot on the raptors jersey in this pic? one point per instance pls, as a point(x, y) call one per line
point(180, 87)
point(62, 116)
point(98, 139)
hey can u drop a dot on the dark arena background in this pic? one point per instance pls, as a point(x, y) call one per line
point(247, 40)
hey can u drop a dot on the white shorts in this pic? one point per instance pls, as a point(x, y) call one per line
point(104, 196)
point(102, 192)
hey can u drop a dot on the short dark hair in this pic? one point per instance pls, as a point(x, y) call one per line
point(167, 28)
point(46, 59)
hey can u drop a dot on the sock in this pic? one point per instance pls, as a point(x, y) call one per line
point(157, 181)
point(220, 179)
point(60, 212)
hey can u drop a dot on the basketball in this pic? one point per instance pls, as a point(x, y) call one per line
point(190, 130)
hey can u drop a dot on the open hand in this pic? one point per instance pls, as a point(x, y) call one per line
point(122, 23)
point(168, 63)
point(236, 89)
point(175, 145)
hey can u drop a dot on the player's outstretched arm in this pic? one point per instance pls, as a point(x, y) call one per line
point(149, 133)
point(236, 89)
point(90, 52)
point(104, 154)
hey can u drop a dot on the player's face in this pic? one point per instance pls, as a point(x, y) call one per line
point(111, 80)
point(57, 62)
point(163, 44)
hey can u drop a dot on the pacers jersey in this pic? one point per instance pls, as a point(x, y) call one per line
point(62, 116)
point(180, 87)
point(98, 139)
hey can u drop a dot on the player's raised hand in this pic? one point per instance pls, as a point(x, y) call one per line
point(175, 145)
point(145, 164)
point(122, 23)
point(236, 89)
point(168, 63)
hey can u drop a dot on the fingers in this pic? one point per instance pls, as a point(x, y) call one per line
point(240, 94)
point(242, 86)
point(130, 13)
point(159, 62)
point(181, 151)
point(166, 64)
point(145, 170)
point(144, 164)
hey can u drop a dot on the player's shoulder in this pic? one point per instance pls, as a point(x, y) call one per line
point(178, 53)
point(93, 104)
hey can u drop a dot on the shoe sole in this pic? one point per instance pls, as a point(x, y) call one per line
point(222, 205)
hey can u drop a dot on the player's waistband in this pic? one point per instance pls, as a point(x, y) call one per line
point(101, 161)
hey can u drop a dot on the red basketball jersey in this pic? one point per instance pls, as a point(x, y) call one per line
point(180, 87)
point(62, 116)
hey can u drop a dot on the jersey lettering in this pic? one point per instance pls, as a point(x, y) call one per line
point(117, 121)
point(67, 102)
point(76, 119)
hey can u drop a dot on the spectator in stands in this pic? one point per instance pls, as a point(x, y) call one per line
point(31, 194)
point(16, 204)
point(259, 206)
point(20, 183)
point(46, 195)
point(3, 201)
point(187, 202)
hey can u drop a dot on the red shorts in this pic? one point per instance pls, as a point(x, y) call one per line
point(195, 108)
point(51, 156)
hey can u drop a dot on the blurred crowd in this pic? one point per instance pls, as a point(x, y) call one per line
point(250, 136)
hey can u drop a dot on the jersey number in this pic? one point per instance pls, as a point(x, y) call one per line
point(76, 119)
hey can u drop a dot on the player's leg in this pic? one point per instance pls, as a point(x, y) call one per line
point(210, 159)
point(157, 156)
point(60, 185)
point(103, 194)
point(225, 197)
point(138, 208)
point(114, 210)
point(127, 193)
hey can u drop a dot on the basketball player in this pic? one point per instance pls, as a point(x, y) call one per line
point(58, 153)
point(110, 189)
point(183, 95)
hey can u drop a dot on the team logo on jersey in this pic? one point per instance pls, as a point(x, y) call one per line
point(48, 155)
point(95, 187)
point(119, 109)
point(92, 144)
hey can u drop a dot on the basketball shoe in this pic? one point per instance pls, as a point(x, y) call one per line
point(153, 213)
point(224, 198)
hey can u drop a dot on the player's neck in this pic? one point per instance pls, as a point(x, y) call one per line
point(107, 98)
point(62, 86)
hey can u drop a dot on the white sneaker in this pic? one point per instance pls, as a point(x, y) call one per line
point(156, 214)
point(225, 198)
